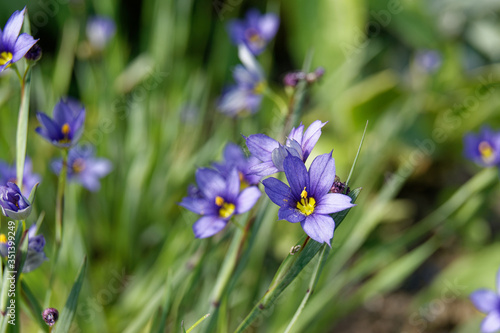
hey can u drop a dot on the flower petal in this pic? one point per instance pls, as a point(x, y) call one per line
point(485, 300)
point(12, 29)
point(49, 129)
point(236, 31)
point(319, 227)
point(297, 133)
point(232, 185)
point(210, 182)
point(322, 175)
point(333, 203)
point(311, 136)
point(296, 174)
point(208, 226)
point(278, 192)
point(263, 169)
point(247, 199)
point(23, 44)
point(290, 214)
point(198, 206)
point(491, 323)
point(268, 26)
point(261, 146)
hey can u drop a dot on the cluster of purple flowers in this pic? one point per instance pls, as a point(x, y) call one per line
point(483, 148)
point(63, 131)
point(309, 198)
point(226, 190)
point(251, 36)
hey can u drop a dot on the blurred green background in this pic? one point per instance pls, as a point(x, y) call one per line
point(405, 259)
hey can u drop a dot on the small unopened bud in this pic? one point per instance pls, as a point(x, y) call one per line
point(293, 78)
point(50, 316)
point(316, 75)
point(34, 54)
point(339, 187)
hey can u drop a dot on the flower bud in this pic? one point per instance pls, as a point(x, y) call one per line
point(50, 316)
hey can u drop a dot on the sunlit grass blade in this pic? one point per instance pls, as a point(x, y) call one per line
point(68, 313)
point(357, 154)
point(197, 323)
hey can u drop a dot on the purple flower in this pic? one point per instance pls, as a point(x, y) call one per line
point(84, 168)
point(484, 148)
point(100, 30)
point(13, 203)
point(8, 174)
point(246, 96)
point(12, 45)
point(235, 158)
point(254, 32)
point(218, 200)
point(488, 301)
point(272, 154)
point(429, 60)
point(35, 256)
point(307, 200)
point(67, 126)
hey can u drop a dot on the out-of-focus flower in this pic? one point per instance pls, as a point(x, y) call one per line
point(234, 157)
point(293, 78)
point(50, 316)
point(484, 148)
point(84, 168)
point(429, 60)
point(100, 30)
point(219, 199)
point(246, 96)
point(8, 174)
point(67, 126)
point(271, 153)
point(35, 256)
point(488, 301)
point(339, 186)
point(307, 199)
point(13, 46)
point(13, 203)
point(255, 31)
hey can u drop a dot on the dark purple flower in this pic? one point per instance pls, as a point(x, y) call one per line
point(254, 32)
point(50, 316)
point(220, 198)
point(13, 46)
point(13, 203)
point(307, 199)
point(488, 301)
point(84, 168)
point(100, 30)
point(272, 154)
point(35, 256)
point(67, 126)
point(8, 173)
point(34, 54)
point(484, 148)
point(234, 157)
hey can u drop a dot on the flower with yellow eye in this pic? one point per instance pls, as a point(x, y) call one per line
point(66, 128)
point(307, 199)
point(13, 46)
point(484, 148)
point(218, 199)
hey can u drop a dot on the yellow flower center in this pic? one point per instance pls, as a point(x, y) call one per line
point(306, 205)
point(226, 209)
point(243, 182)
point(78, 165)
point(260, 87)
point(3, 239)
point(65, 131)
point(486, 150)
point(5, 57)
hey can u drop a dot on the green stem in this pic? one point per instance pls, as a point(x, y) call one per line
point(60, 197)
point(22, 126)
point(312, 284)
point(269, 93)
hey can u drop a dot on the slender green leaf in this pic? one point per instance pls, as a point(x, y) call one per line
point(36, 309)
point(68, 313)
